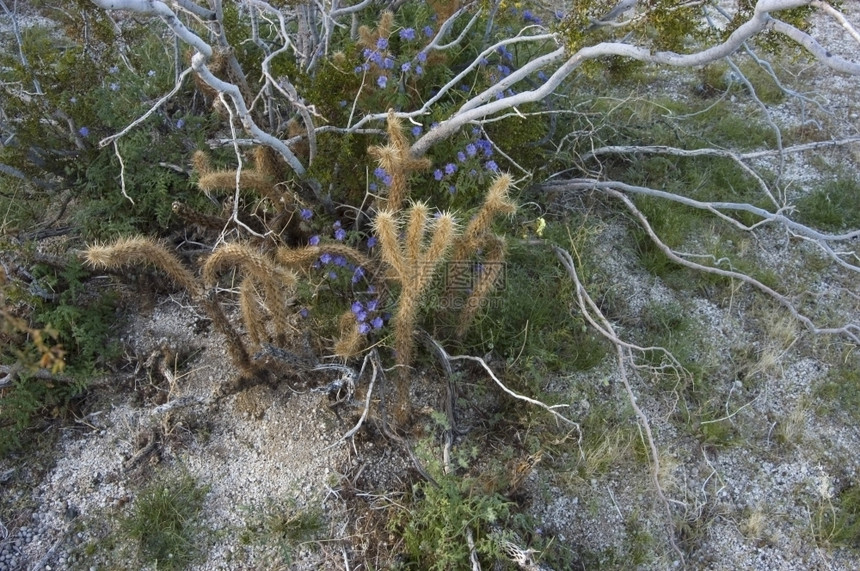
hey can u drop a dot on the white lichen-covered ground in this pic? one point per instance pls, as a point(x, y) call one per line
point(754, 497)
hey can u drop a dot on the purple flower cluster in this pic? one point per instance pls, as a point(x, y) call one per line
point(382, 175)
point(367, 315)
point(473, 152)
point(531, 18)
point(381, 58)
point(339, 232)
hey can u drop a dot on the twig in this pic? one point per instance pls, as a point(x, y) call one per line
point(588, 306)
point(518, 396)
point(372, 357)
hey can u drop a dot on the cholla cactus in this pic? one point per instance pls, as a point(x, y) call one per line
point(262, 180)
point(413, 264)
point(398, 162)
point(478, 237)
point(368, 37)
point(275, 281)
point(140, 250)
point(351, 341)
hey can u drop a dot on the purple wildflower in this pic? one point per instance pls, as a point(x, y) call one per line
point(363, 328)
point(377, 322)
point(361, 316)
point(357, 275)
point(332, 275)
point(452, 189)
point(381, 174)
point(416, 131)
point(529, 17)
point(113, 69)
point(438, 174)
point(356, 307)
point(373, 187)
point(471, 150)
point(114, 86)
point(151, 73)
point(180, 123)
point(492, 166)
point(450, 168)
point(428, 31)
point(485, 146)
point(406, 66)
point(314, 241)
point(419, 70)
point(339, 234)
point(304, 312)
point(382, 81)
point(336, 224)
point(371, 242)
point(306, 214)
point(339, 261)
point(325, 258)
point(407, 34)
point(382, 43)
point(372, 304)
point(461, 156)
point(422, 57)
point(84, 131)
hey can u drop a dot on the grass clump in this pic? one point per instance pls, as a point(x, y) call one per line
point(832, 207)
point(838, 519)
point(163, 521)
point(531, 314)
point(281, 528)
point(839, 393)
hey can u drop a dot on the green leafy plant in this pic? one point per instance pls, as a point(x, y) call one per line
point(435, 527)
